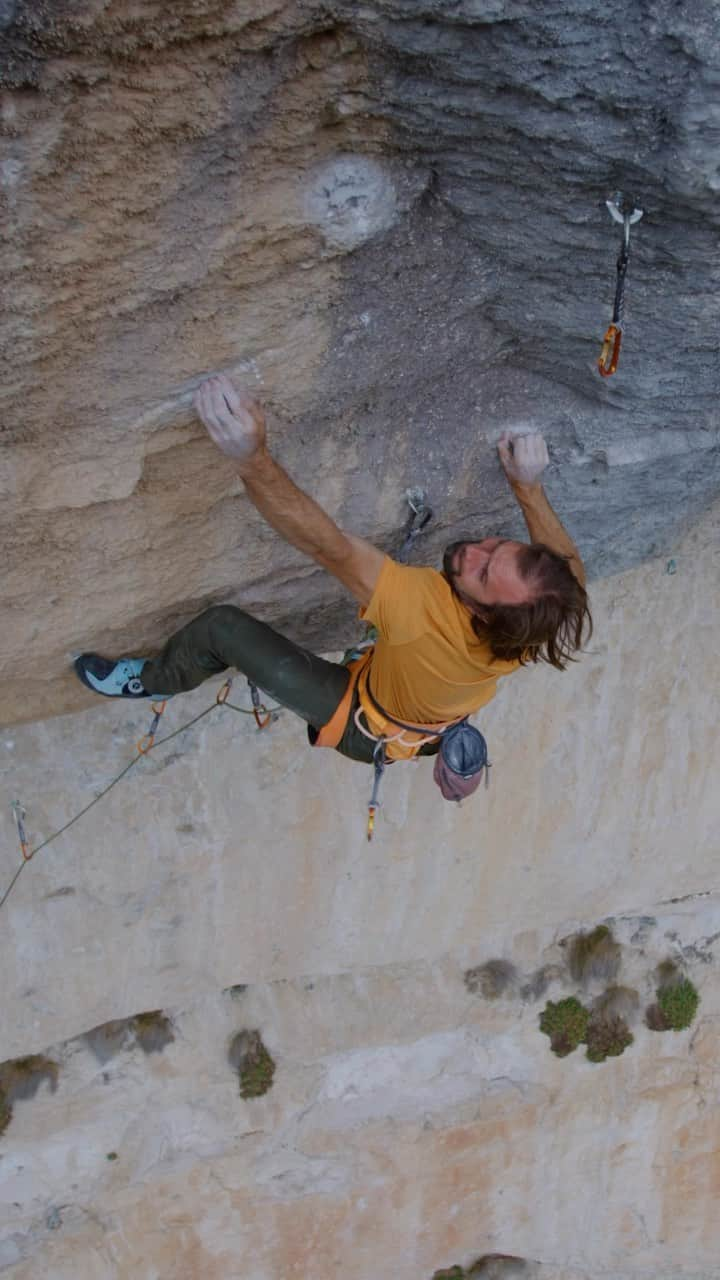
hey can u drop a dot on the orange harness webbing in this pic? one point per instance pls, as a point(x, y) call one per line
point(332, 732)
point(397, 744)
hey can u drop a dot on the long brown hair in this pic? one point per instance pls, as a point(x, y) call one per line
point(549, 628)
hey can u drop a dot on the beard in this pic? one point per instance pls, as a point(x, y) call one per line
point(480, 613)
point(448, 557)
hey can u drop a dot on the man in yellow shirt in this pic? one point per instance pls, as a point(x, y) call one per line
point(443, 639)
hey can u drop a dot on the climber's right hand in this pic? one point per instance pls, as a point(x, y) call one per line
point(234, 421)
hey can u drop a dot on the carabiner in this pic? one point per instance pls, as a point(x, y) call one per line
point(420, 516)
point(260, 711)
point(610, 354)
point(379, 769)
point(146, 744)
point(19, 816)
point(224, 692)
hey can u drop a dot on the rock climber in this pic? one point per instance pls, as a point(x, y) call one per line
point(442, 639)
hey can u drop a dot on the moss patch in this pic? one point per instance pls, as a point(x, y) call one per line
point(566, 1023)
point(595, 956)
point(20, 1078)
point(5, 1112)
point(492, 1266)
point(678, 1004)
point(608, 1035)
point(655, 1018)
point(537, 983)
point(668, 974)
point(492, 979)
point(254, 1065)
point(152, 1031)
point(623, 1002)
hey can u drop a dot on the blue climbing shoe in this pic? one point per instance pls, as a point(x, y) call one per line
point(112, 679)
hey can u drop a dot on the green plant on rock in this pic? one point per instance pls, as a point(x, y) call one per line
point(5, 1112)
point(655, 1018)
point(153, 1030)
point(254, 1065)
point(566, 1023)
point(594, 956)
point(20, 1078)
point(678, 1004)
point(608, 1036)
point(492, 979)
point(492, 1266)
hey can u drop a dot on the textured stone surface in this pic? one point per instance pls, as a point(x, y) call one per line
point(413, 1122)
point(389, 220)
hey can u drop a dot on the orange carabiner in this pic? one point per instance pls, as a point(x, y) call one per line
point(19, 815)
point(224, 693)
point(610, 354)
point(371, 821)
point(146, 744)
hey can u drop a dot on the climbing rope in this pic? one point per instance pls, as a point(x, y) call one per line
point(262, 714)
point(610, 354)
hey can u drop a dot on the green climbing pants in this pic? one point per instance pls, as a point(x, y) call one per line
point(225, 636)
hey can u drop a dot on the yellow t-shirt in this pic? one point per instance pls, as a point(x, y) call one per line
point(429, 667)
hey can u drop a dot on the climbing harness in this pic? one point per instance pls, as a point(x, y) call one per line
point(143, 748)
point(609, 356)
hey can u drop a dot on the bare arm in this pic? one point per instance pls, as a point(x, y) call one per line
point(524, 458)
point(237, 425)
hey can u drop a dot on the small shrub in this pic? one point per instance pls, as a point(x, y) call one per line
point(608, 1036)
point(537, 983)
point(566, 1023)
point(492, 1266)
point(678, 1004)
point(253, 1063)
point(108, 1039)
point(594, 957)
point(622, 1002)
point(5, 1112)
point(491, 979)
point(21, 1078)
point(655, 1018)
point(153, 1030)
point(668, 974)
point(150, 1031)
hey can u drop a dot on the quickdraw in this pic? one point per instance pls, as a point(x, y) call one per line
point(146, 743)
point(379, 763)
point(260, 711)
point(19, 816)
point(610, 353)
point(420, 515)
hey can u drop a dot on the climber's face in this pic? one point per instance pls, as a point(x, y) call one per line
point(487, 572)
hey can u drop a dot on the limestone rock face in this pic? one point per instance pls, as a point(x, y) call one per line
point(416, 1119)
point(388, 221)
